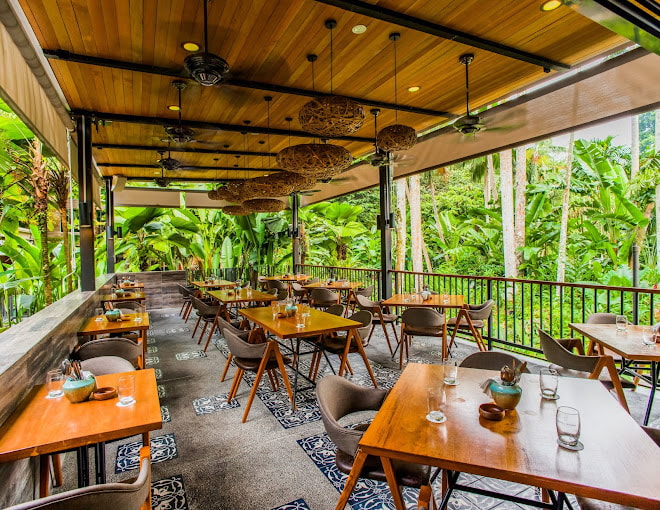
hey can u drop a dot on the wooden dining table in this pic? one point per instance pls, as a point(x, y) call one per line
point(214, 284)
point(627, 344)
point(41, 426)
point(438, 301)
point(619, 463)
point(92, 327)
point(318, 323)
point(289, 277)
point(127, 295)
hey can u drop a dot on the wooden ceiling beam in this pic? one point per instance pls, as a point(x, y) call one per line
point(211, 126)
point(421, 25)
point(189, 167)
point(232, 82)
point(157, 148)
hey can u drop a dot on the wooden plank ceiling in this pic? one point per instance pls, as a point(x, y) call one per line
point(268, 41)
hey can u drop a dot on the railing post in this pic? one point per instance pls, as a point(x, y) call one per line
point(635, 272)
point(489, 294)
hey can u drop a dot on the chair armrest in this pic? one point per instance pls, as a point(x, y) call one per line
point(572, 343)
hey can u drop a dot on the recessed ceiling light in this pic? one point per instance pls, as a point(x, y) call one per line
point(190, 46)
point(359, 29)
point(551, 5)
point(174, 107)
point(414, 88)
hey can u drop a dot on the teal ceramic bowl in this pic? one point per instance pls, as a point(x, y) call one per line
point(78, 390)
point(113, 315)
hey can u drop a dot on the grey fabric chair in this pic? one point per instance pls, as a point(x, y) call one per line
point(380, 316)
point(420, 322)
point(257, 358)
point(491, 360)
point(351, 301)
point(187, 294)
point(336, 344)
point(471, 319)
point(323, 298)
point(277, 284)
point(125, 348)
point(131, 307)
point(337, 309)
point(337, 398)
point(206, 314)
point(568, 364)
point(107, 496)
point(232, 327)
point(594, 504)
point(103, 365)
point(300, 292)
point(602, 318)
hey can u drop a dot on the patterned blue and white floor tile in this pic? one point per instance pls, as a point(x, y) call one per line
point(151, 360)
point(165, 414)
point(159, 373)
point(162, 448)
point(162, 392)
point(298, 504)
point(208, 405)
point(152, 350)
point(190, 355)
point(169, 494)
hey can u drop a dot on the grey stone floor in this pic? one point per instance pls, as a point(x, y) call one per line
point(207, 459)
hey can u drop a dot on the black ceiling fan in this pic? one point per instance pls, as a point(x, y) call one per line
point(206, 68)
point(468, 124)
point(168, 163)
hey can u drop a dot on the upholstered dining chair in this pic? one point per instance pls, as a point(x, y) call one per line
point(380, 316)
point(206, 314)
point(351, 300)
point(232, 327)
point(336, 344)
point(277, 284)
point(471, 319)
point(323, 298)
point(339, 398)
point(558, 353)
point(125, 348)
point(134, 495)
point(593, 504)
point(420, 322)
point(257, 358)
point(188, 293)
point(103, 365)
point(299, 292)
point(491, 360)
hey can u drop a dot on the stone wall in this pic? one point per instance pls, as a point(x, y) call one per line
point(161, 287)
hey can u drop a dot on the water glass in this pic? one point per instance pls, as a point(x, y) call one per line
point(99, 314)
point(406, 297)
point(137, 318)
point(126, 390)
point(450, 371)
point(549, 380)
point(54, 382)
point(621, 323)
point(445, 299)
point(275, 308)
point(568, 426)
point(648, 338)
point(301, 319)
point(435, 404)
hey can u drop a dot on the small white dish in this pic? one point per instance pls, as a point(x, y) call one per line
point(579, 446)
point(127, 404)
point(436, 417)
point(544, 397)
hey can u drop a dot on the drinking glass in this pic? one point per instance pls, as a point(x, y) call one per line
point(99, 314)
point(406, 297)
point(275, 308)
point(137, 317)
point(548, 380)
point(621, 323)
point(568, 426)
point(648, 338)
point(301, 319)
point(450, 371)
point(445, 299)
point(435, 404)
point(126, 390)
point(54, 382)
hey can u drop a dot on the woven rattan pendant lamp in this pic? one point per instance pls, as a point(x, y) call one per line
point(396, 137)
point(331, 116)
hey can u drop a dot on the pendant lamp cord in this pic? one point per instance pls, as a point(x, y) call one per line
point(467, 90)
point(206, 28)
point(331, 58)
point(396, 101)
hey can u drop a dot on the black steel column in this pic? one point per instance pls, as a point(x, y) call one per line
point(109, 226)
point(295, 231)
point(86, 203)
point(385, 223)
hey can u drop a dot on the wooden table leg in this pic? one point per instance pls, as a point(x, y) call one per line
point(44, 475)
point(352, 479)
point(394, 485)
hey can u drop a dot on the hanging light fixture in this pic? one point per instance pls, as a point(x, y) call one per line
point(235, 210)
point(396, 137)
point(206, 68)
point(179, 133)
point(264, 205)
point(314, 158)
point(169, 163)
point(331, 116)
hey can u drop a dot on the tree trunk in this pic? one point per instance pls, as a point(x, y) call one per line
point(67, 248)
point(41, 184)
point(401, 226)
point(506, 192)
point(436, 217)
point(414, 200)
point(565, 204)
point(490, 172)
point(657, 194)
point(634, 146)
point(521, 202)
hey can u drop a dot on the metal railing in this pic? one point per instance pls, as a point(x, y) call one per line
point(522, 307)
point(366, 276)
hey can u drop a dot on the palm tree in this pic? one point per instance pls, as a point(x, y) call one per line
point(59, 177)
point(41, 186)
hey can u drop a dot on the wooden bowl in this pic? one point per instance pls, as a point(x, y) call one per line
point(105, 393)
point(491, 412)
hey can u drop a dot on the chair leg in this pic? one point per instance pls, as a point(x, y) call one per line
point(187, 312)
point(196, 326)
point(224, 371)
point(387, 336)
point(182, 307)
point(235, 384)
point(208, 340)
point(255, 384)
point(272, 379)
